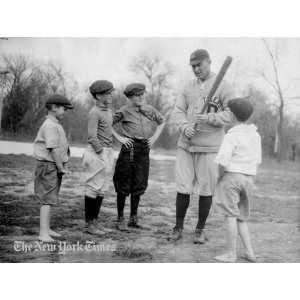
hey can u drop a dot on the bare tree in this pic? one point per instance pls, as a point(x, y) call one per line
point(3, 90)
point(3, 85)
point(157, 72)
point(275, 83)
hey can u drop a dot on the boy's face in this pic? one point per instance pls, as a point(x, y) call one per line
point(202, 69)
point(104, 99)
point(137, 100)
point(58, 111)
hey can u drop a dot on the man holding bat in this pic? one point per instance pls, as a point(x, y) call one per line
point(201, 124)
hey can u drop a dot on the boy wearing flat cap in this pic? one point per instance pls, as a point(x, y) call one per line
point(138, 136)
point(98, 157)
point(51, 151)
point(238, 159)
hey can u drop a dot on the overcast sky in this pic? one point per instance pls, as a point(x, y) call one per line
point(88, 59)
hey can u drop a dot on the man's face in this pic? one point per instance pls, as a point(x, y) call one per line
point(202, 69)
point(104, 100)
point(137, 100)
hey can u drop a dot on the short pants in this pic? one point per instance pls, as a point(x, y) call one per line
point(196, 173)
point(132, 169)
point(232, 195)
point(98, 170)
point(47, 183)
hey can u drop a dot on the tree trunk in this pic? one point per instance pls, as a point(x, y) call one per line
point(279, 131)
point(1, 108)
point(294, 147)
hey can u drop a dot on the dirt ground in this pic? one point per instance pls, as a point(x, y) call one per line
point(274, 222)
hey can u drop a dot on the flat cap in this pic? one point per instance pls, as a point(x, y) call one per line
point(198, 56)
point(242, 108)
point(59, 100)
point(101, 87)
point(134, 89)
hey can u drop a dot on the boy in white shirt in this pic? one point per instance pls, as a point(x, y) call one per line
point(238, 158)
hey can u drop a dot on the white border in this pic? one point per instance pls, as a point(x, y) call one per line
point(135, 18)
point(149, 18)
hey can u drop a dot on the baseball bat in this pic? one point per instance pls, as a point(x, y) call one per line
point(217, 82)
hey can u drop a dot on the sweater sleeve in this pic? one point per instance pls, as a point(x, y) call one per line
point(180, 112)
point(92, 131)
point(223, 117)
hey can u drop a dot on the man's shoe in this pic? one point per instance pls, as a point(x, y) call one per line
point(121, 224)
point(176, 234)
point(133, 222)
point(199, 237)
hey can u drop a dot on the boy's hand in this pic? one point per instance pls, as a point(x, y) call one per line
point(127, 142)
point(189, 131)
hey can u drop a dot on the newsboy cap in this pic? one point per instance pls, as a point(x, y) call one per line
point(59, 100)
point(198, 56)
point(134, 89)
point(242, 108)
point(101, 87)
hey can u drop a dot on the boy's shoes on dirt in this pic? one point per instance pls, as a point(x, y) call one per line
point(176, 234)
point(248, 257)
point(199, 237)
point(133, 222)
point(121, 224)
point(91, 228)
point(226, 258)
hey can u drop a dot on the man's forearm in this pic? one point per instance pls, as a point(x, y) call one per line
point(221, 118)
point(180, 118)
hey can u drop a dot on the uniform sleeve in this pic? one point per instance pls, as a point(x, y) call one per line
point(92, 131)
point(225, 116)
point(51, 136)
point(180, 112)
point(226, 150)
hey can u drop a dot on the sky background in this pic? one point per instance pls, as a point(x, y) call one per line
point(89, 59)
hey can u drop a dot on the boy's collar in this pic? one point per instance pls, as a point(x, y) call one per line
point(98, 104)
point(242, 126)
point(53, 118)
point(136, 107)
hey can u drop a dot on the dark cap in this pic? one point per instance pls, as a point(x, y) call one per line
point(134, 89)
point(59, 100)
point(101, 87)
point(242, 108)
point(198, 56)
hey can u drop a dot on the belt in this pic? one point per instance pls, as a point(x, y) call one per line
point(140, 141)
point(136, 141)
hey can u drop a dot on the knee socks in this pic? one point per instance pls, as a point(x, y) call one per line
point(182, 204)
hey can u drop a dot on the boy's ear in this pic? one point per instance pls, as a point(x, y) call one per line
point(234, 119)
